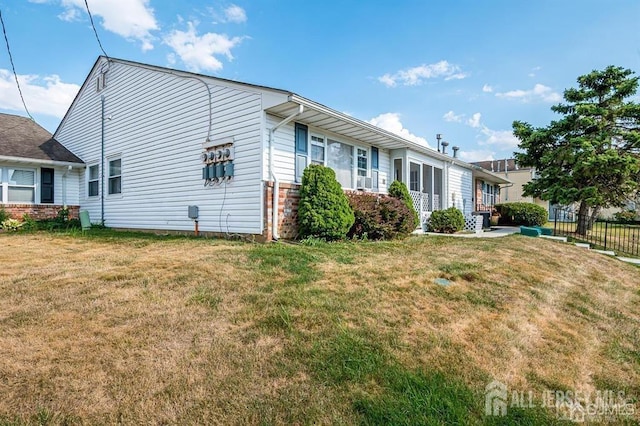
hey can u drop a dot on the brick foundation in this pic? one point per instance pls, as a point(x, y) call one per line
point(38, 211)
point(288, 199)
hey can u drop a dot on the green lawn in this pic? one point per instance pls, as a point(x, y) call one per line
point(133, 328)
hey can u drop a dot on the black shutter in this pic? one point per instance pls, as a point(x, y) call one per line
point(46, 185)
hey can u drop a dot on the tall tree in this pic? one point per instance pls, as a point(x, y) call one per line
point(591, 155)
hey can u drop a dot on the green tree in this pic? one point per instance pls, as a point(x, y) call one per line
point(400, 191)
point(591, 155)
point(324, 210)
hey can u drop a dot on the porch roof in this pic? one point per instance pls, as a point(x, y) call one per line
point(22, 139)
point(479, 172)
point(323, 117)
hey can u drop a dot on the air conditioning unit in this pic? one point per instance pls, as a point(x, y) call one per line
point(364, 182)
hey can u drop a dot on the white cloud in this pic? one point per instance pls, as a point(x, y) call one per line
point(70, 15)
point(43, 95)
point(235, 14)
point(131, 19)
point(477, 155)
point(539, 92)
point(198, 52)
point(474, 121)
point(487, 89)
point(451, 117)
point(503, 139)
point(416, 75)
point(390, 122)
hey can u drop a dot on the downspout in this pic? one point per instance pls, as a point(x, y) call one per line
point(102, 162)
point(64, 186)
point(276, 180)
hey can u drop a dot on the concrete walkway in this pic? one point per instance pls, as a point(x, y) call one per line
point(496, 231)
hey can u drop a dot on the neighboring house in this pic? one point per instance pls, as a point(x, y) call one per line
point(519, 176)
point(38, 176)
point(156, 141)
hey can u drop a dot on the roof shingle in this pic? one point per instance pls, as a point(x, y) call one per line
point(24, 138)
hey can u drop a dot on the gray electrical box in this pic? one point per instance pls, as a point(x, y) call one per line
point(228, 169)
point(193, 212)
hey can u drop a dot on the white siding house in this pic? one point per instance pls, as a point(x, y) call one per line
point(156, 140)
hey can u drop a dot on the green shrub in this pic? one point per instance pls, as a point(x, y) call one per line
point(527, 214)
point(3, 214)
point(400, 191)
point(11, 224)
point(380, 217)
point(324, 210)
point(446, 221)
point(625, 216)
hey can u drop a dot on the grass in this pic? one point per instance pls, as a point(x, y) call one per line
point(113, 327)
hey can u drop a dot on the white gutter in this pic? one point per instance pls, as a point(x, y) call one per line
point(276, 181)
point(23, 160)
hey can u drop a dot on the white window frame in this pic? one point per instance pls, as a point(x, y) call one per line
point(6, 185)
point(109, 177)
point(89, 180)
point(313, 143)
point(325, 145)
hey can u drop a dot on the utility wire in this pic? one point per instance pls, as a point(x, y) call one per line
point(13, 67)
point(94, 29)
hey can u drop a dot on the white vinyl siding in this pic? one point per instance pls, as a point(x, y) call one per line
point(158, 124)
point(460, 189)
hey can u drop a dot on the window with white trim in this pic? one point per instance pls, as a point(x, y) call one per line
point(115, 176)
point(21, 186)
point(317, 150)
point(363, 163)
point(340, 159)
point(93, 179)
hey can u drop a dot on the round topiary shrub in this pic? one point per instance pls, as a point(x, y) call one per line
point(446, 221)
point(379, 217)
point(527, 214)
point(324, 210)
point(400, 191)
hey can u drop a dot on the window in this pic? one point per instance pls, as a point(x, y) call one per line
point(340, 159)
point(414, 177)
point(21, 186)
point(1, 187)
point(93, 181)
point(362, 162)
point(317, 150)
point(115, 176)
point(397, 170)
point(301, 136)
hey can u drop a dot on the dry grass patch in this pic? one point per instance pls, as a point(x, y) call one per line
point(140, 329)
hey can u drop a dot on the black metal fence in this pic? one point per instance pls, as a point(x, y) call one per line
point(621, 237)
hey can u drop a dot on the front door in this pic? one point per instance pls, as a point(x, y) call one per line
point(46, 186)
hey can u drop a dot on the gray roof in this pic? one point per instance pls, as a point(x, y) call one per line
point(23, 138)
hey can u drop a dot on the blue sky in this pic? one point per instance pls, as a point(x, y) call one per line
point(465, 69)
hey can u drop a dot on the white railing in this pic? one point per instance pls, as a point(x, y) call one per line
point(420, 201)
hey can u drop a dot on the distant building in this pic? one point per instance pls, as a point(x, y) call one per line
point(519, 176)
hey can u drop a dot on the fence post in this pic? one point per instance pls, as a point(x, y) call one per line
point(606, 231)
point(555, 222)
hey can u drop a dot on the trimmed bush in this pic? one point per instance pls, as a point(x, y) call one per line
point(625, 216)
point(446, 221)
point(324, 210)
point(380, 217)
point(400, 191)
point(527, 214)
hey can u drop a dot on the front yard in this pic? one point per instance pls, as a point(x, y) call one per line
point(136, 329)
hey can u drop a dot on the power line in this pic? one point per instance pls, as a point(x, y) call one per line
point(13, 67)
point(94, 29)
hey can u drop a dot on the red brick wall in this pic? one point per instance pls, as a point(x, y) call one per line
point(38, 211)
point(288, 199)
